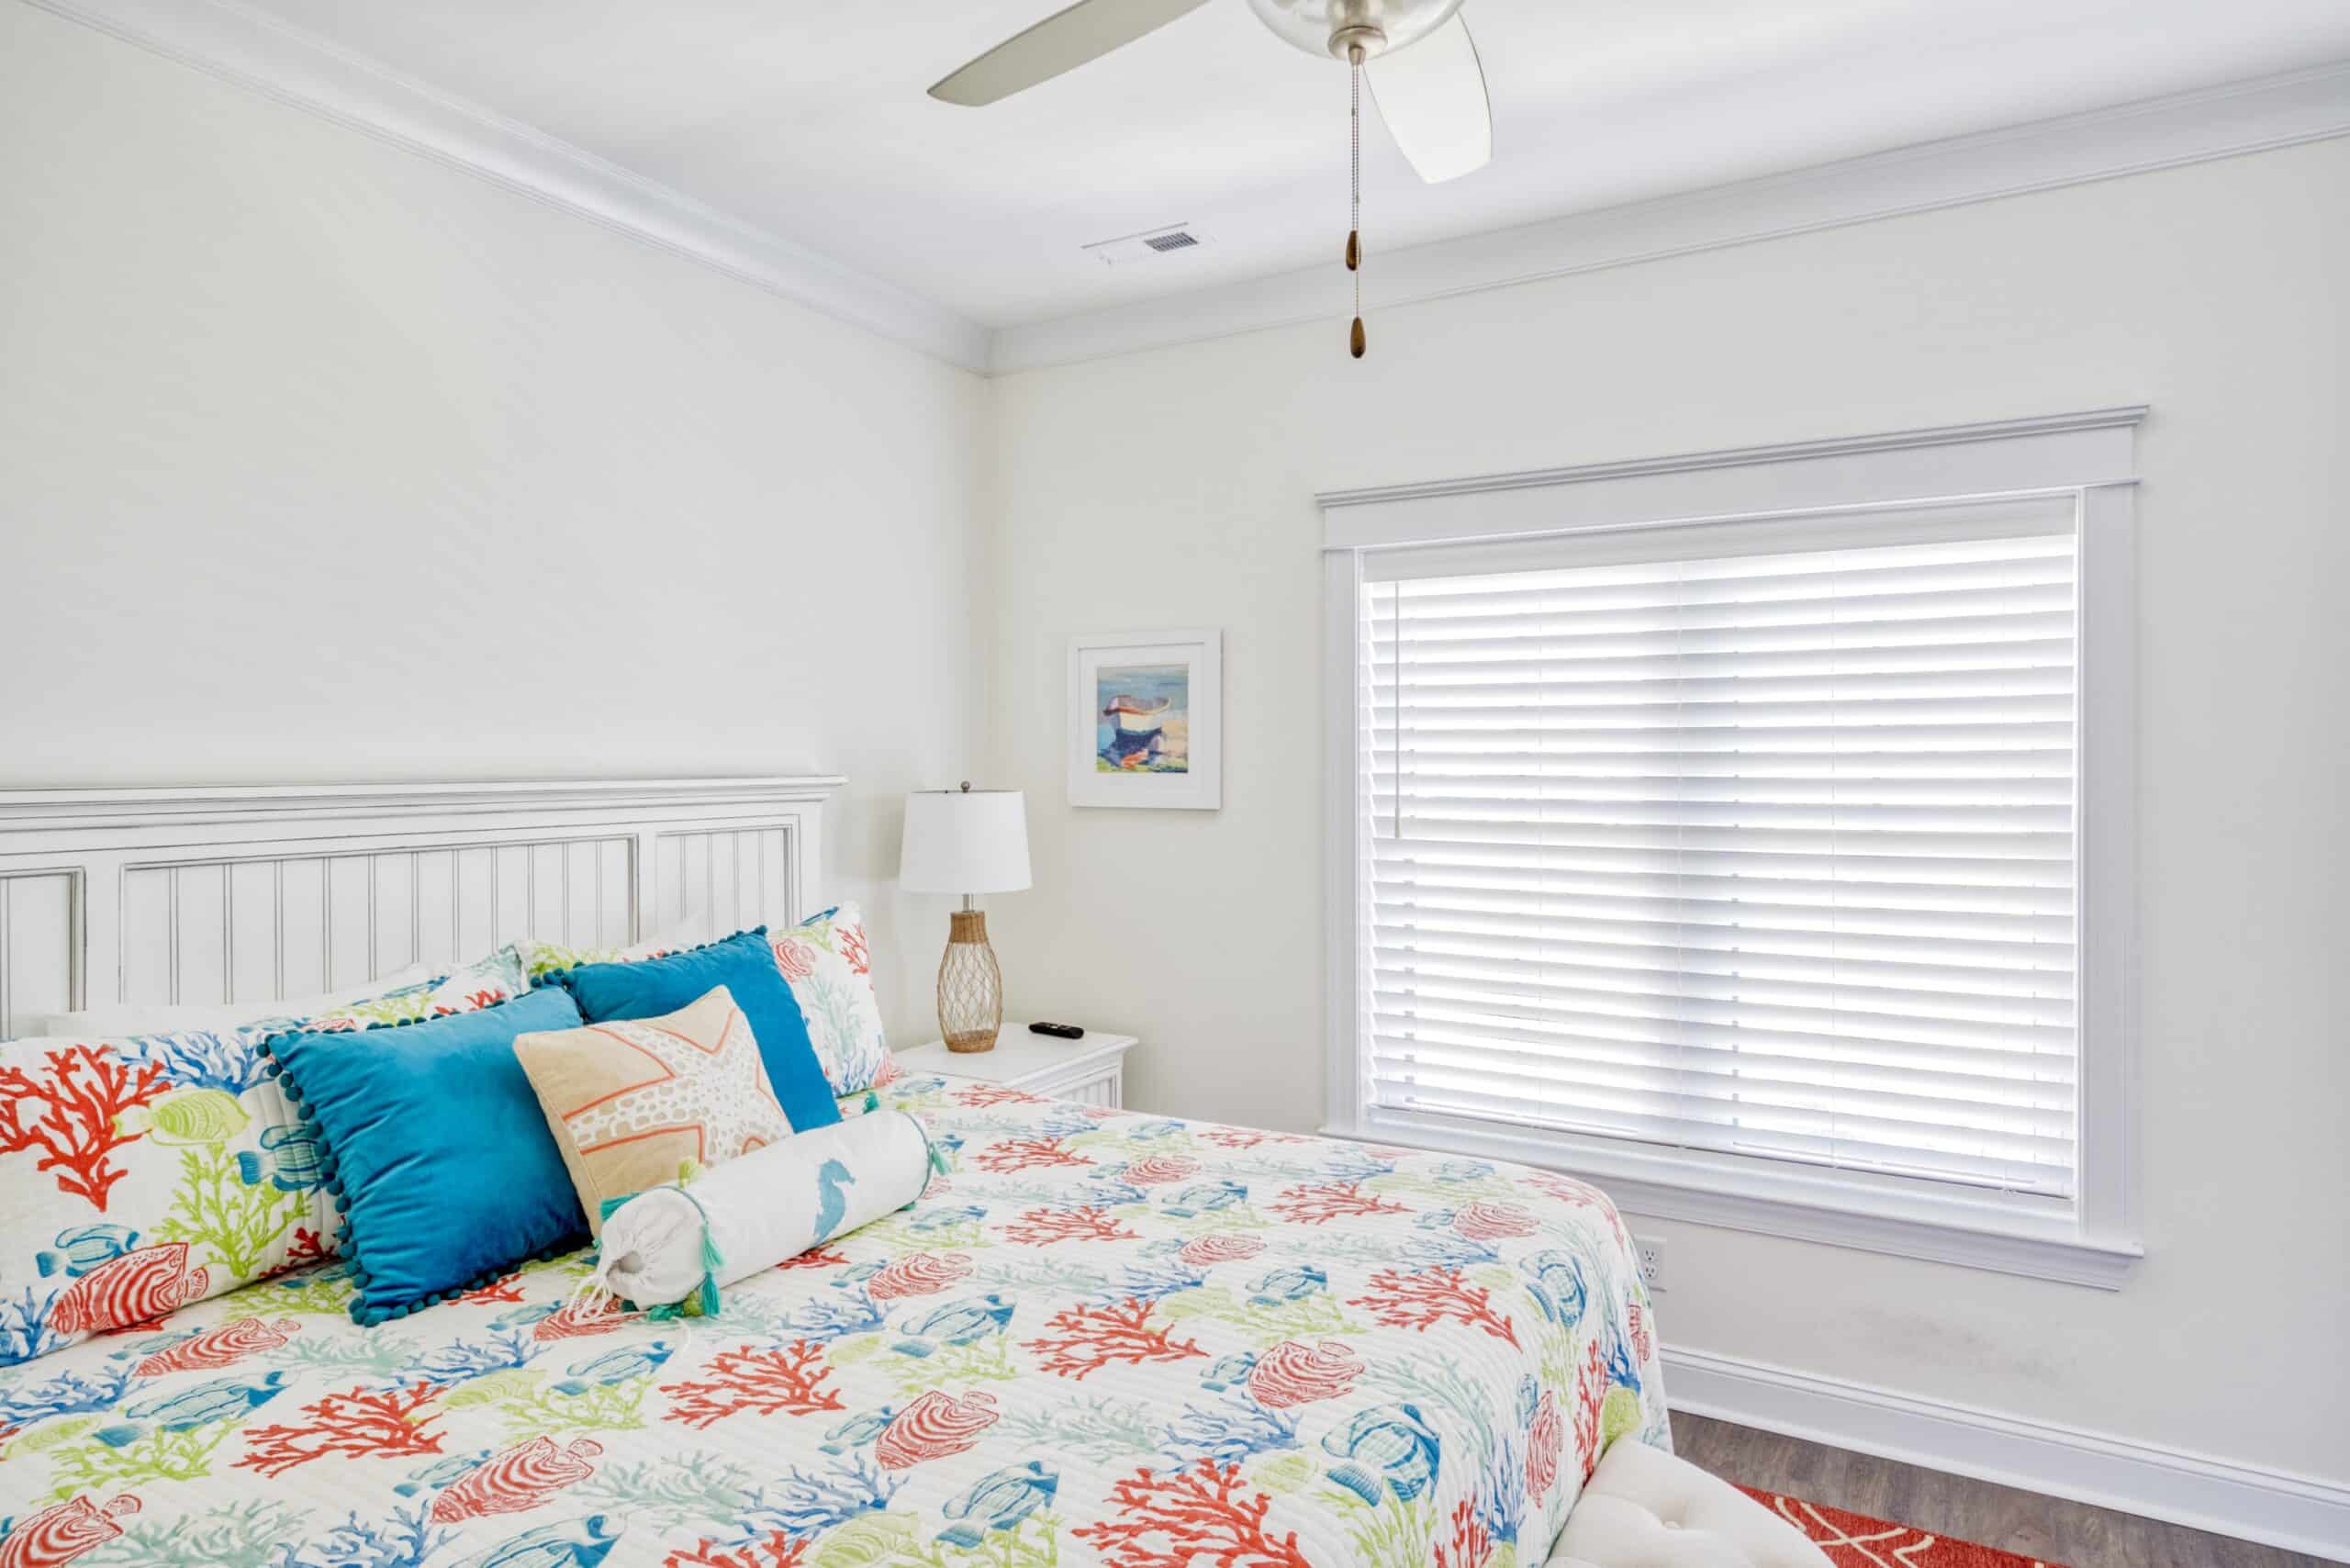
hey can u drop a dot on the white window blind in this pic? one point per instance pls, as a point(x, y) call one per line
point(1751, 838)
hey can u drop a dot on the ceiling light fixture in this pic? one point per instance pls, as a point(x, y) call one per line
point(1428, 84)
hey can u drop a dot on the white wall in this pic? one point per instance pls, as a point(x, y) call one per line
point(322, 461)
point(1174, 489)
point(319, 460)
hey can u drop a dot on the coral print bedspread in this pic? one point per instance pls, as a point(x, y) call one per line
point(1100, 1338)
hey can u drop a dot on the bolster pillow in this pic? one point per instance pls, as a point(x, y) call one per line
point(734, 1220)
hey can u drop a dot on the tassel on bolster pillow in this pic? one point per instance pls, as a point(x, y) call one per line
point(679, 1244)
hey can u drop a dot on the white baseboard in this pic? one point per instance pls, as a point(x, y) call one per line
point(2298, 1513)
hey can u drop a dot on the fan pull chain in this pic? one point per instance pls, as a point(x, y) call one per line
point(1355, 342)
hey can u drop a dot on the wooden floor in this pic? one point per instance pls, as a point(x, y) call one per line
point(2055, 1532)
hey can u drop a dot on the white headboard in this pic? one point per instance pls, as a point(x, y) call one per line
point(253, 893)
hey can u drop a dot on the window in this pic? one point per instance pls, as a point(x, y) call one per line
point(1743, 855)
point(1745, 841)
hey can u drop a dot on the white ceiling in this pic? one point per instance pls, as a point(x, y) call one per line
point(810, 120)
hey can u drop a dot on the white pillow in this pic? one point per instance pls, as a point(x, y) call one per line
point(133, 1018)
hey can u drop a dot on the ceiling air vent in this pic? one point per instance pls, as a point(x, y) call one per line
point(1148, 245)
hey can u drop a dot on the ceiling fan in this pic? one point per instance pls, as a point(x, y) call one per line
point(1425, 76)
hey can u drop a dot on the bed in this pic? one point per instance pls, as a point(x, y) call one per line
point(1098, 1336)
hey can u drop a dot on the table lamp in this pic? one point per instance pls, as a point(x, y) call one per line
point(970, 842)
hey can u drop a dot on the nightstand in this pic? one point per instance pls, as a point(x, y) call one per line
point(1091, 1072)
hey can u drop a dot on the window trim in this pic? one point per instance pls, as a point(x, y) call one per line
point(2089, 456)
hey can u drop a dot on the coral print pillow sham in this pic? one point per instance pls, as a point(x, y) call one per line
point(827, 962)
point(142, 1171)
point(485, 982)
point(137, 1175)
point(153, 1018)
point(541, 959)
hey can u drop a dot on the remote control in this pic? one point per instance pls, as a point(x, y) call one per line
point(1057, 1031)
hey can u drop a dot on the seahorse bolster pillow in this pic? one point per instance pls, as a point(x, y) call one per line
point(727, 1224)
point(633, 1101)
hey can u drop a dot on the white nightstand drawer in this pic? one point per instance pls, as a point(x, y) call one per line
point(1091, 1072)
point(1093, 1086)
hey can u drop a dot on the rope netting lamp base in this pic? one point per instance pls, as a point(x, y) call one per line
point(970, 842)
point(971, 987)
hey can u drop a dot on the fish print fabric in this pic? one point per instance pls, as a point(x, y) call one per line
point(485, 982)
point(1098, 1338)
point(138, 1175)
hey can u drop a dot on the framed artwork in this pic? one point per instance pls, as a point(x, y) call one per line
point(1146, 723)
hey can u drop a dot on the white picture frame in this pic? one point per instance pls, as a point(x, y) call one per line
point(1146, 720)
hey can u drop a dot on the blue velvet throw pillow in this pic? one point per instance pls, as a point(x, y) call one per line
point(745, 965)
point(440, 1157)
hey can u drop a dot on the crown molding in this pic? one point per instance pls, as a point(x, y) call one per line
point(2159, 133)
point(264, 55)
point(230, 41)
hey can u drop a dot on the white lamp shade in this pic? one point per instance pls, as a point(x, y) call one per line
point(961, 841)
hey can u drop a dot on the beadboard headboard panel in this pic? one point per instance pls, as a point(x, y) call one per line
point(207, 896)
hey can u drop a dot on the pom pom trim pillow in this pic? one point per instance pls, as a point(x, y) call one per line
point(745, 965)
point(631, 1101)
point(437, 1155)
point(828, 964)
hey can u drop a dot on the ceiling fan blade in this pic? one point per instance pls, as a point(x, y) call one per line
point(1432, 97)
point(1063, 41)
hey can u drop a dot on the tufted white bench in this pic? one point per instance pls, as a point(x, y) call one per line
point(1643, 1509)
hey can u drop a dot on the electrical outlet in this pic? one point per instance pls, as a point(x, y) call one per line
point(1650, 1252)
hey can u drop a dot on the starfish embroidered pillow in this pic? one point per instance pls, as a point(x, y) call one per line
point(633, 1101)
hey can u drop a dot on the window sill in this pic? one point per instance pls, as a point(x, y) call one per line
point(2001, 1237)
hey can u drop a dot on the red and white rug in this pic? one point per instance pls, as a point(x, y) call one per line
point(1855, 1541)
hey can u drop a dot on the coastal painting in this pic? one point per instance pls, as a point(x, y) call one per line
point(1146, 720)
